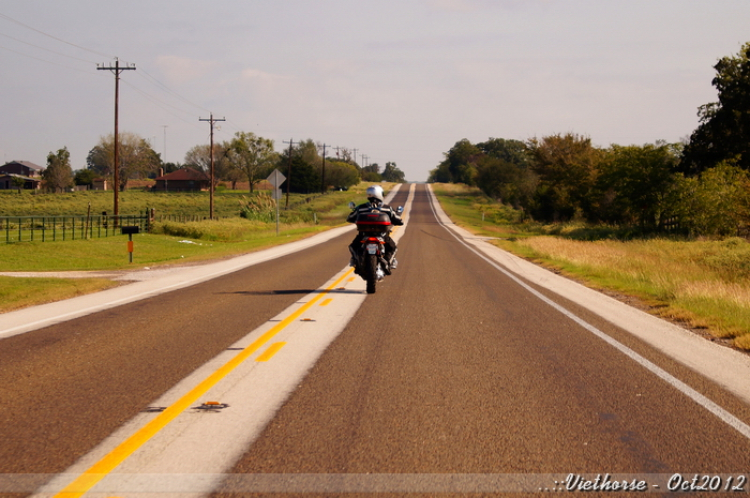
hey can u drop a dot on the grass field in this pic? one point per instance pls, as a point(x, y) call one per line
point(226, 202)
point(704, 283)
point(169, 243)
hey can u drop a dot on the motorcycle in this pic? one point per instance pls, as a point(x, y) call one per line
point(369, 256)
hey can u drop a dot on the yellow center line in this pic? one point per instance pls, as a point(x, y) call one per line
point(272, 350)
point(108, 463)
point(326, 302)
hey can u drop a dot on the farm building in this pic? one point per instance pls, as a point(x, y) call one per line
point(23, 168)
point(12, 181)
point(183, 180)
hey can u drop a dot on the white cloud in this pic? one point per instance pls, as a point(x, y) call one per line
point(181, 69)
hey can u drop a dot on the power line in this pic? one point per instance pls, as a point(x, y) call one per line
point(47, 49)
point(54, 37)
point(169, 90)
point(160, 103)
point(147, 75)
point(43, 60)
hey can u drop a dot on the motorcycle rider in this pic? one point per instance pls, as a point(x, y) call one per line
point(375, 201)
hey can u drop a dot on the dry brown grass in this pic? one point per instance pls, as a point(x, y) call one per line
point(706, 283)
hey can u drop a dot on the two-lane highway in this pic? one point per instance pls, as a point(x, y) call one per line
point(455, 369)
point(453, 377)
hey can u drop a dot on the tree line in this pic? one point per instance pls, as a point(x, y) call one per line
point(245, 158)
point(701, 186)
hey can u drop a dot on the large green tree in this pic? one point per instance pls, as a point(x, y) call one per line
point(302, 177)
point(137, 158)
point(391, 173)
point(509, 150)
point(567, 167)
point(504, 171)
point(636, 184)
point(85, 177)
point(58, 175)
point(341, 174)
point(716, 203)
point(199, 157)
point(724, 129)
point(254, 156)
point(371, 173)
point(461, 162)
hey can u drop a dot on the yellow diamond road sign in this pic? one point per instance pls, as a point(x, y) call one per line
point(276, 178)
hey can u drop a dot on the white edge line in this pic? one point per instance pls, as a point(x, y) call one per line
point(699, 398)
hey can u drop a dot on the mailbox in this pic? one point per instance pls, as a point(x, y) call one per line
point(131, 230)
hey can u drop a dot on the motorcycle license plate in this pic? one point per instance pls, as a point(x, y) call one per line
point(372, 248)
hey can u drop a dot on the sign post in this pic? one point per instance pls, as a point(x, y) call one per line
point(276, 178)
point(130, 230)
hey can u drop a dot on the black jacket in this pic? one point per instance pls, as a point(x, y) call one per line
point(384, 208)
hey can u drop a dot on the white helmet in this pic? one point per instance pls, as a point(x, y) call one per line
point(375, 192)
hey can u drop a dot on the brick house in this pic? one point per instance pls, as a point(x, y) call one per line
point(30, 173)
point(23, 168)
point(183, 180)
point(8, 182)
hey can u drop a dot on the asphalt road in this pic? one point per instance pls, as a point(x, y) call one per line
point(454, 369)
point(451, 368)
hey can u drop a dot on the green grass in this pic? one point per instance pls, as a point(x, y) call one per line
point(18, 293)
point(705, 283)
point(149, 250)
point(470, 208)
point(226, 202)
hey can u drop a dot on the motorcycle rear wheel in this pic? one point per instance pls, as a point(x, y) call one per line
point(371, 275)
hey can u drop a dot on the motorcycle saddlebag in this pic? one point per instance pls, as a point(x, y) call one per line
point(373, 222)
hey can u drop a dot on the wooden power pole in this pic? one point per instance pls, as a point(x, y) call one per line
point(323, 175)
point(116, 70)
point(289, 172)
point(211, 120)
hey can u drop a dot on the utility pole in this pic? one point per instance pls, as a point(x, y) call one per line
point(289, 172)
point(211, 153)
point(116, 71)
point(355, 155)
point(323, 177)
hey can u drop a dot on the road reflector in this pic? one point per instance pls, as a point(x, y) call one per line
point(212, 405)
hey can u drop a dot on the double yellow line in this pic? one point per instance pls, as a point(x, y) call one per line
point(108, 463)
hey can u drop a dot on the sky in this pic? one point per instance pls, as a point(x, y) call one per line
point(397, 80)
